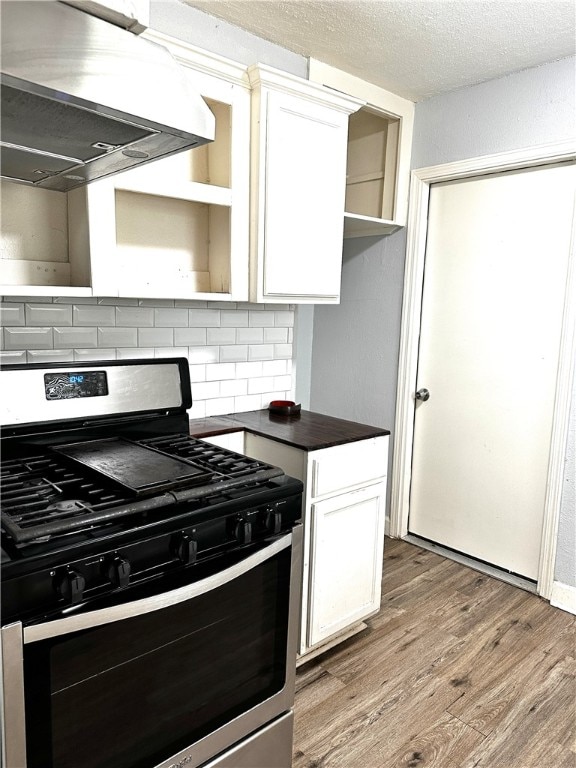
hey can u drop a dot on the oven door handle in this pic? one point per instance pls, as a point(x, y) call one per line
point(65, 626)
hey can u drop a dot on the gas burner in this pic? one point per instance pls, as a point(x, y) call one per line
point(67, 505)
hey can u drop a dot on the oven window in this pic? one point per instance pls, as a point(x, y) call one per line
point(133, 693)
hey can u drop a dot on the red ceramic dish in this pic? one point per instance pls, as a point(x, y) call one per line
point(284, 407)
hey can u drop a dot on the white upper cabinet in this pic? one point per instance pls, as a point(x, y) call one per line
point(378, 162)
point(298, 148)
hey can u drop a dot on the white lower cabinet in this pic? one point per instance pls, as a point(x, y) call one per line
point(344, 515)
point(346, 546)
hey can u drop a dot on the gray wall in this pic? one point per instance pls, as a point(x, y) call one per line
point(174, 18)
point(355, 348)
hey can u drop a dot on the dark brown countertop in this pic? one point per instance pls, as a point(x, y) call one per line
point(309, 431)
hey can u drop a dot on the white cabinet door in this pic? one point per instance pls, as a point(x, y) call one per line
point(347, 541)
point(298, 179)
point(305, 186)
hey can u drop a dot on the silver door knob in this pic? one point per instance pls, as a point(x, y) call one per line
point(422, 394)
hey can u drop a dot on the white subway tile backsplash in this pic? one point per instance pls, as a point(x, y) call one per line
point(248, 370)
point(118, 302)
point(239, 353)
point(133, 353)
point(260, 319)
point(117, 337)
point(221, 335)
point(48, 314)
point(190, 337)
point(274, 367)
point(28, 338)
point(171, 318)
point(73, 338)
point(282, 351)
point(234, 319)
point(155, 337)
point(259, 385)
point(134, 317)
point(202, 390)
point(234, 353)
point(218, 406)
point(12, 314)
point(276, 335)
point(71, 300)
point(12, 358)
point(95, 354)
point(156, 302)
point(284, 319)
point(219, 371)
point(260, 352)
point(85, 315)
point(204, 318)
point(197, 373)
point(249, 335)
point(35, 299)
point(203, 354)
point(234, 387)
point(247, 403)
point(282, 382)
point(171, 352)
point(50, 356)
point(190, 303)
point(198, 410)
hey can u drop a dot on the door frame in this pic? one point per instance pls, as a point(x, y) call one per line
point(417, 229)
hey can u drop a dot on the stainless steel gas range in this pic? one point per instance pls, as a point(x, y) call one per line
point(150, 581)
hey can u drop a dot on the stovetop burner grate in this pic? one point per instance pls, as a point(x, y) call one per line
point(38, 490)
point(47, 493)
point(205, 455)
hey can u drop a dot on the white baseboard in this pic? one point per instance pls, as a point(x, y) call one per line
point(563, 596)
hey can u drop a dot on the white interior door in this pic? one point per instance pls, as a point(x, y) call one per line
point(494, 288)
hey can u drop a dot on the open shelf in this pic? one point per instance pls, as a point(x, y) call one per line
point(371, 170)
point(35, 253)
point(169, 246)
point(379, 146)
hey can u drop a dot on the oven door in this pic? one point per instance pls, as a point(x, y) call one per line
point(171, 678)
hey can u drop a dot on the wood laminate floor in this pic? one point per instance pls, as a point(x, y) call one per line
point(458, 670)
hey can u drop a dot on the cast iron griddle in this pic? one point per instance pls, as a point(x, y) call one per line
point(140, 469)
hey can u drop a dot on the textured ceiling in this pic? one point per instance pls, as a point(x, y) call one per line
point(414, 48)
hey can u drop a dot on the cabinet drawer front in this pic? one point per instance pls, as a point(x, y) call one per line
point(346, 466)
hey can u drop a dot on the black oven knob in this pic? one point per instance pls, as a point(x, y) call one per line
point(117, 571)
point(243, 532)
point(185, 548)
point(70, 586)
point(273, 521)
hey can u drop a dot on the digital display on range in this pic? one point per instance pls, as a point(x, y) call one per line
point(67, 386)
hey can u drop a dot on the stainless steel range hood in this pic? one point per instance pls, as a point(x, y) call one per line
point(83, 99)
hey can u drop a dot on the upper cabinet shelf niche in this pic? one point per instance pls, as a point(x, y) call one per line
point(178, 228)
point(378, 162)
